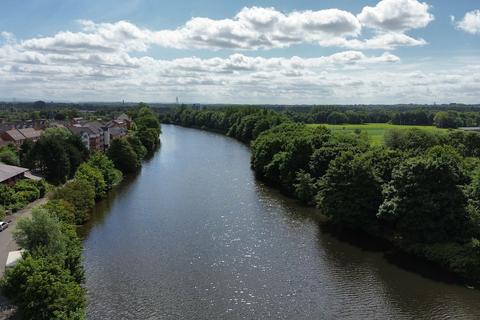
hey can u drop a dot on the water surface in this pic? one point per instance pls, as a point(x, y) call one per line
point(194, 236)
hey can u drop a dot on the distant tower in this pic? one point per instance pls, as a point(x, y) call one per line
point(176, 100)
point(123, 101)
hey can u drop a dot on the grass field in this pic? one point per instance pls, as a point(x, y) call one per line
point(374, 131)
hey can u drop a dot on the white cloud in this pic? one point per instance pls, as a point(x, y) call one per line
point(103, 61)
point(470, 22)
point(385, 41)
point(396, 15)
point(252, 28)
point(261, 28)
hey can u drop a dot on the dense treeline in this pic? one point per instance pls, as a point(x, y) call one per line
point(440, 116)
point(47, 282)
point(420, 190)
point(127, 153)
point(428, 116)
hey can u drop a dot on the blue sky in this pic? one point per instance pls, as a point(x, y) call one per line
point(389, 51)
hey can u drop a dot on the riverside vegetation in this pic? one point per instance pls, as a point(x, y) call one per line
point(420, 189)
point(47, 282)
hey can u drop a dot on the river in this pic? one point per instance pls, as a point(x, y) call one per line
point(195, 236)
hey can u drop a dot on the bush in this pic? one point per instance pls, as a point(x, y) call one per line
point(9, 156)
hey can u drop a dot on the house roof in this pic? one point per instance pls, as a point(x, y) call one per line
point(95, 126)
point(80, 130)
point(115, 132)
point(30, 133)
point(15, 135)
point(123, 117)
point(7, 171)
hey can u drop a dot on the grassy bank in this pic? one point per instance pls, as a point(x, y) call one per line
point(375, 131)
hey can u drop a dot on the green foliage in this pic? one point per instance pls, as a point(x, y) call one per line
point(147, 129)
point(461, 258)
point(8, 155)
point(45, 283)
point(137, 146)
point(350, 192)
point(92, 176)
point(111, 175)
point(412, 140)
point(148, 138)
point(424, 200)
point(62, 210)
point(414, 190)
point(305, 187)
point(16, 197)
point(447, 119)
point(42, 289)
point(81, 195)
point(123, 156)
point(337, 118)
point(57, 154)
point(41, 232)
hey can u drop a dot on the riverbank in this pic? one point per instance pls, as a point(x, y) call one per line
point(195, 235)
point(298, 160)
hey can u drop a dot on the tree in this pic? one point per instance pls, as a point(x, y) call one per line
point(53, 159)
point(42, 289)
point(445, 119)
point(413, 140)
point(148, 137)
point(305, 187)
point(62, 210)
point(81, 195)
point(123, 156)
point(424, 200)
point(24, 154)
point(111, 175)
point(94, 177)
point(350, 192)
point(137, 146)
point(42, 231)
point(337, 118)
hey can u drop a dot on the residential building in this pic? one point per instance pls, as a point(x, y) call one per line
point(19, 136)
point(94, 135)
point(11, 174)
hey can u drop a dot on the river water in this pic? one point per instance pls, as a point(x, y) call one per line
point(195, 236)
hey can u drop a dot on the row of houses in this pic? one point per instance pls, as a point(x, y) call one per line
point(96, 135)
point(18, 136)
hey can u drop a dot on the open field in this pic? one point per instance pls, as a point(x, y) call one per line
point(375, 131)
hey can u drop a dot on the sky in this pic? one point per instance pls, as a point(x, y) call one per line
point(253, 52)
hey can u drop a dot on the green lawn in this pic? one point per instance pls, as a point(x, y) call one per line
point(375, 131)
